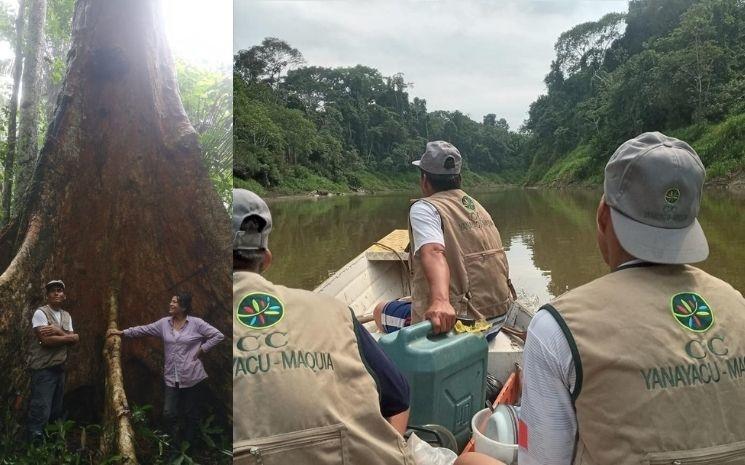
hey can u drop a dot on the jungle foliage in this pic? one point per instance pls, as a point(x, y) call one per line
point(675, 66)
point(342, 125)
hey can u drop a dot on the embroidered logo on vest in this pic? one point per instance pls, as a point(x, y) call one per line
point(692, 311)
point(468, 203)
point(259, 310)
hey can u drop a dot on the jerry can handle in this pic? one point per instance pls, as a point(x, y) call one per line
point(416, 331)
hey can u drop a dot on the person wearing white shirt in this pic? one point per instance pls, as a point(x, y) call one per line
point(458, 264)
point(616, 370)
point(47, 353)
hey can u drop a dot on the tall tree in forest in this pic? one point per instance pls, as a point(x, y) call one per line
point(28, 130)
point(121, 208)
point(267, 62)
point(12, 113)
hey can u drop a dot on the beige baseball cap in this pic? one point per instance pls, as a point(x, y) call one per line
point(653, 184)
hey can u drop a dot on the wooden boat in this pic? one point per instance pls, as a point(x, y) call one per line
point(381, 273)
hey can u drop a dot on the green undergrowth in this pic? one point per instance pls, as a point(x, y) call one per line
point(68, 443)
point(721, 147)
point(577, 167)
point(249, 184)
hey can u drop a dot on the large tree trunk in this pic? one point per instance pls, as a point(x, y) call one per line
point(29, 119)
point(119, 201)
point(10, 155)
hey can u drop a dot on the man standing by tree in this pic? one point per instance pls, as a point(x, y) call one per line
point(52, 327)
point(457, 260)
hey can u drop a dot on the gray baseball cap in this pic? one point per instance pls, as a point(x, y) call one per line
point(246, 204)
point(653, 185)
point(440, 157)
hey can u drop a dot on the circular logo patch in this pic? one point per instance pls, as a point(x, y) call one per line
point(692, 311)
point(672, 195)
point(468, 203)
point(259, 310)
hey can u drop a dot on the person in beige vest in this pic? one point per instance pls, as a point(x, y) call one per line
point(647, 363)
point(457, 262)
point(310, 385)
point(47, 353)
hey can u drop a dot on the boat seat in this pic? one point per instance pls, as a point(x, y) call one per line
point(394, 246)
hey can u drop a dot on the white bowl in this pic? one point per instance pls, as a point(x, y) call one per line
point(501, 442)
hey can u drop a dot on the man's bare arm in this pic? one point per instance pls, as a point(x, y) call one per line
point(52, 336)
point(399, 421)
point(436, 270)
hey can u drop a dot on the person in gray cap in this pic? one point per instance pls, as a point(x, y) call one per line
point(310, 384)
point(47, 353)
point(456, 256)
point(288, 343)
point(616, 370)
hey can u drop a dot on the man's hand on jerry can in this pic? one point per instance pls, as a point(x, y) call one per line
point(442, 316)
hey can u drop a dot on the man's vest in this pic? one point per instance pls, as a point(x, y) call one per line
point(301, 392)
point(659, 354)
point(40, 356)
point(479, 274)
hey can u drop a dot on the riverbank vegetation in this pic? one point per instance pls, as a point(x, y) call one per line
point(675, 66)
point(345, 128)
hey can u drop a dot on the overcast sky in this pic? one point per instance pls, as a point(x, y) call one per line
point(200, 31)
point(475, 56)
point(209, 48)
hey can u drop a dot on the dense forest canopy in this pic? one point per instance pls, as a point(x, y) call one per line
point(676, 66)
point(294, 122)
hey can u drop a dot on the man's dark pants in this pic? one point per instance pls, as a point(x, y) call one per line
point(182, 403)
point(47, 387)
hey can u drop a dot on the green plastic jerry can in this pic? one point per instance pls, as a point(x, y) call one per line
point(446, 373)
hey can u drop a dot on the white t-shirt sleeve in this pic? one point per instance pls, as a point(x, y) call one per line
point(426, 225)
point(547, 409)
point(39, 319)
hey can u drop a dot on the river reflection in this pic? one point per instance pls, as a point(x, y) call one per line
point(549, 236)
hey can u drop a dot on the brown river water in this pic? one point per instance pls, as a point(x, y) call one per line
point(549, 235)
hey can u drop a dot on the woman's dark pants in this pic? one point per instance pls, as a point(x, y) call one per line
point(182, 404)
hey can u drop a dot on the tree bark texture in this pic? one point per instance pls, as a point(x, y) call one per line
point(10, 155)
point(119, 199)
point(28, 130)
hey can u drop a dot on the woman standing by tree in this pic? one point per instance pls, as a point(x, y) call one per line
point(185, 339)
